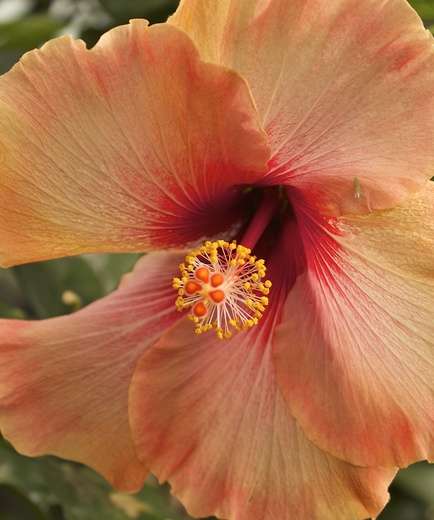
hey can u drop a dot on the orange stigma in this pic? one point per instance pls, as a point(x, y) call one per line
point(217, 279)
point(222, 285)
point(202, 274)
point(192, 287)
point(217, 296)
point(200, 310)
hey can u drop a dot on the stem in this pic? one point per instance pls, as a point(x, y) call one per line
point(261, 219)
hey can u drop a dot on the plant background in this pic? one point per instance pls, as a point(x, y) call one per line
point(48, 488)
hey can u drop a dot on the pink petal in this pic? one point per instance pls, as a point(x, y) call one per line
point(133, 145)
point(355, 352)
point(344, 89)
point(208, 417)
point(64, 382)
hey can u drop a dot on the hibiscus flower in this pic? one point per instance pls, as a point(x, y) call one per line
point(271, 356)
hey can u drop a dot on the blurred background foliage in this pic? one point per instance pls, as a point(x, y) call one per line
point(48, 488)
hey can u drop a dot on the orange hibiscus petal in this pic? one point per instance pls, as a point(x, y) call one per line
point(132, 145)
point(64, 381)
point(344, 90)
point(208, 417)
point(355, 351)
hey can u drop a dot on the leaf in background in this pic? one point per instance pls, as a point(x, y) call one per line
point(11, 313)
point(58, 486)
point(44, 283)
point(412, 494)
point(15, 506)
point(418, 480)
point(425, 8)
point(28, 33)
point(153, 10)
point(403, 507)
point(111, 267)
point(11, 298)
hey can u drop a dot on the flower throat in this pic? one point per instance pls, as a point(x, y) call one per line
point(223, 284)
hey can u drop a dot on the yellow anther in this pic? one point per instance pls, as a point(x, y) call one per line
point(221, 284)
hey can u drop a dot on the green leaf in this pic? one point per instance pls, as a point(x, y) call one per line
point(418, 480)
point(14, 505)
point(404, 508)
point(12, 313)
point(112, 267)
point(153, 10)
point(11, 298)
point(44, 283)
point(412, 494)
point(28, 33)
point(425, 8)
point(78, 492)
point(8, 58)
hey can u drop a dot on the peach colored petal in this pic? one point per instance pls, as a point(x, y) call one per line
point(208, 417)
point(344, 89)
point(132, 145)
point(64, 382)
point(355, 351)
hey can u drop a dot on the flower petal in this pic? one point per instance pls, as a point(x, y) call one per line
point(64, 381)
point(132, 145)
point(344, 90)
point(355, 351)
point(208, 417)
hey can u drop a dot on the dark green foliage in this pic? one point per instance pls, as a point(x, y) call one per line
point(425, 8)
point(45, 282)
point(153, 10)
point(15, 505)
point(31, 32)
point(51, 489)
